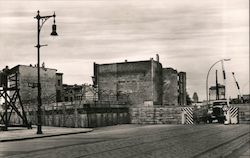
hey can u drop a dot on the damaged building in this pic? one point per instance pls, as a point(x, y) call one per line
point(53, 89)
point(76, 92)
point(51, 83)
point(140, 83)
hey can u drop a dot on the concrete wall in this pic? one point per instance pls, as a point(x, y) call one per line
point(170, 87)
point(150, 115)
point(244, 112)
point(78, 117)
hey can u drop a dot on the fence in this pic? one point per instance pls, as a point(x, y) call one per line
point(73, 115)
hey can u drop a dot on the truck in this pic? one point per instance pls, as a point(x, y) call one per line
point(216, 111)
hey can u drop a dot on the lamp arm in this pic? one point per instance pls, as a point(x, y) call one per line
point(207, 77)
point(44, 19)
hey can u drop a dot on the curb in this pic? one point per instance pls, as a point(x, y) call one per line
point(44, 136)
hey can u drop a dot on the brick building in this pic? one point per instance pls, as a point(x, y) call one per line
point(140, 82)
point(182, 99)
point(170, 86)
point(76, 92)
point(136, 81)
point(72, 92)
point(59, 87)
point(27, 83)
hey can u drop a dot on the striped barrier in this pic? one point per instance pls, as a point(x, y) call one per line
point(234, 115)
point(187, 115)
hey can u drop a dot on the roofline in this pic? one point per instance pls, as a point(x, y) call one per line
point(30, 66)
point(170, 68)
point(129, 62)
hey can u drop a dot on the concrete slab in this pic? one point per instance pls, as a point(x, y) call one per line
point(15, 133)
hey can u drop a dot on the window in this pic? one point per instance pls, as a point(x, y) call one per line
point(58, 96)
point(59, 82)
point(66, 99)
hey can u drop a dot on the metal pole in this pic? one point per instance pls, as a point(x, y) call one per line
point(39, 100)
point(217, 86)
point(6, 109)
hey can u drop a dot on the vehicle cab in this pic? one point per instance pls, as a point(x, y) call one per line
point(216, 111)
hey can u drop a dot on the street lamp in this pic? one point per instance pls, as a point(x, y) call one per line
point(208, 74)
point(39, 27)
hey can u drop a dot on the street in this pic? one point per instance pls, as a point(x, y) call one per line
point(208, 140)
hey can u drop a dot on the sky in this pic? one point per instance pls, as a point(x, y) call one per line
point(188, 35)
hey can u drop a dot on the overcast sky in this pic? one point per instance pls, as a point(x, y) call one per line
point(189, 35)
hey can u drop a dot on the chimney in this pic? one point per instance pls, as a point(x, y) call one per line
point(157, 58)
point(126, 60)
point(43, 65)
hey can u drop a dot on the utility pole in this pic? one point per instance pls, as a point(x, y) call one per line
point(217, 87)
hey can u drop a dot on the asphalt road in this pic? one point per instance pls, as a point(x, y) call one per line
point(123, 141)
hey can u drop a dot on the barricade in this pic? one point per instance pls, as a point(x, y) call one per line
point(187, 115)
point(234, 115)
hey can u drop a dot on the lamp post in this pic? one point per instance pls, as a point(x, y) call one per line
point(39, 100)
point(208, 74)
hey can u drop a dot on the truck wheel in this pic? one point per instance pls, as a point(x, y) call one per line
point(221, 120)
point(210, 120)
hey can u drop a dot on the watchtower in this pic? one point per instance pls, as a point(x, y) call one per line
point(11, 100)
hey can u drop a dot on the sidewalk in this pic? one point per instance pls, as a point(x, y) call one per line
point(15, 134)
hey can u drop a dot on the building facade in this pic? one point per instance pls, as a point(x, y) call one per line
point(85, 93)
point(72, 92)
point(170, 87)
point(182, 98)
point(135, 81)
point(27, 83)
point(59, 87)
point(140, 83)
